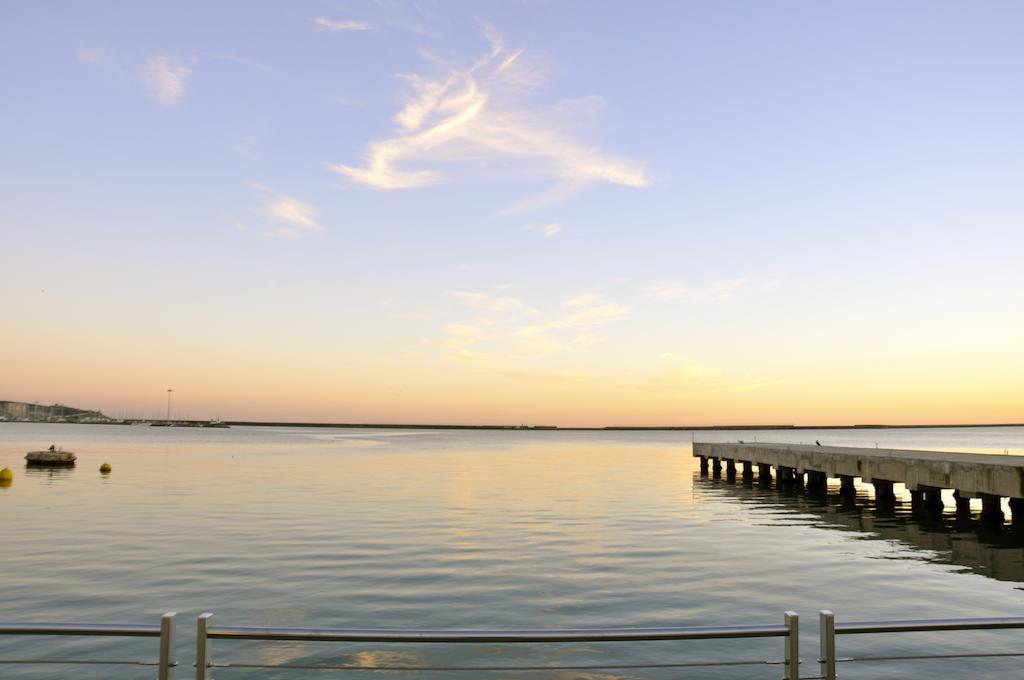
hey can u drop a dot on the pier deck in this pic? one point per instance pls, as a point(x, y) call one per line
point(925, 473)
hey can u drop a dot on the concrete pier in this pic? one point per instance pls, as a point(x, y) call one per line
point(925, 473)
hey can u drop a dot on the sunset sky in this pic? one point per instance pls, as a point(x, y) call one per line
point(572, 213)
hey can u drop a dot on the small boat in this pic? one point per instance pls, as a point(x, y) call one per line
point(53, 457)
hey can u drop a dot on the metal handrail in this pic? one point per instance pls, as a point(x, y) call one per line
point(107, 629)
point(504, 636)
point(924, 625)
point(830, 629)
point(164, 630)
point(205, 633)
point(789, 630)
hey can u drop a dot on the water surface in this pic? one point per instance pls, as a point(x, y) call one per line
point(477, 529)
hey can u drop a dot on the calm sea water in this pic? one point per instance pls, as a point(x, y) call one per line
point(477, 529)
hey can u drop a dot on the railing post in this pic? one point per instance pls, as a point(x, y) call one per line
point(166, 663)
point(203, 647)
point(828, 644)
point(792, 654)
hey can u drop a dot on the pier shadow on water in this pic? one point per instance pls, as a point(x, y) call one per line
point(942, 536)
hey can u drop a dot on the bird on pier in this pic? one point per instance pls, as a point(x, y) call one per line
point(817, 442)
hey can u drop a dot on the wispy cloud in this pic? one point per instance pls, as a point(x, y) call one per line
point(166, 79)
point(295, 215)
point(489, 302)
point(718, 291)
point(757, 385)
point(581, 300)
point(325, 24)
point(506, 330)
point(589, 316)
point(550, 377)
point(464, 331)
point(549, 230)
point(288, 217)
point(682, 374)
point(466, 122)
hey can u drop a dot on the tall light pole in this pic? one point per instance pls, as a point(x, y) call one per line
point(169, 406)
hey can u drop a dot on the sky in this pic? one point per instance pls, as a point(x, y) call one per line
point(547, 213)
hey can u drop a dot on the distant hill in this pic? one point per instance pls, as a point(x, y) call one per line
point(21, 411)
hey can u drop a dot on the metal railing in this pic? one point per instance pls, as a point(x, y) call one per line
point(163, 630)
point(830, 629)
point(789, 630)
point(205, 633)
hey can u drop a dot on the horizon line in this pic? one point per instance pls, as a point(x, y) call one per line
point(548, 428)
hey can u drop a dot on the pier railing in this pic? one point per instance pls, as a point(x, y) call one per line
point(789, 631)
point(830, 629)
point(163, 630)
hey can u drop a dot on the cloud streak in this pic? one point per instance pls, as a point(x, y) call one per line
point(334, 25)
point(506, 331)
point(548, 230)
point(682, 375)
point(289, 217)
point(165, 79)
point(465, 121)
point(488, 302)
point(295, 215)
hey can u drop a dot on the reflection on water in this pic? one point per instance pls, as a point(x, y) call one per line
point(51, 475)
point(945, 538)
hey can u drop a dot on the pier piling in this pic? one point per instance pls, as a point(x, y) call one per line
point(933, 504)
point(916, 501)
point(1017, 511)
point(991, 509)
point(883, 491)
point(817, 482)
point(846, 486)
point(963, 506)
point(748, 471)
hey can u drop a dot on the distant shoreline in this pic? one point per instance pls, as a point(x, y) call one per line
point(611, 428)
